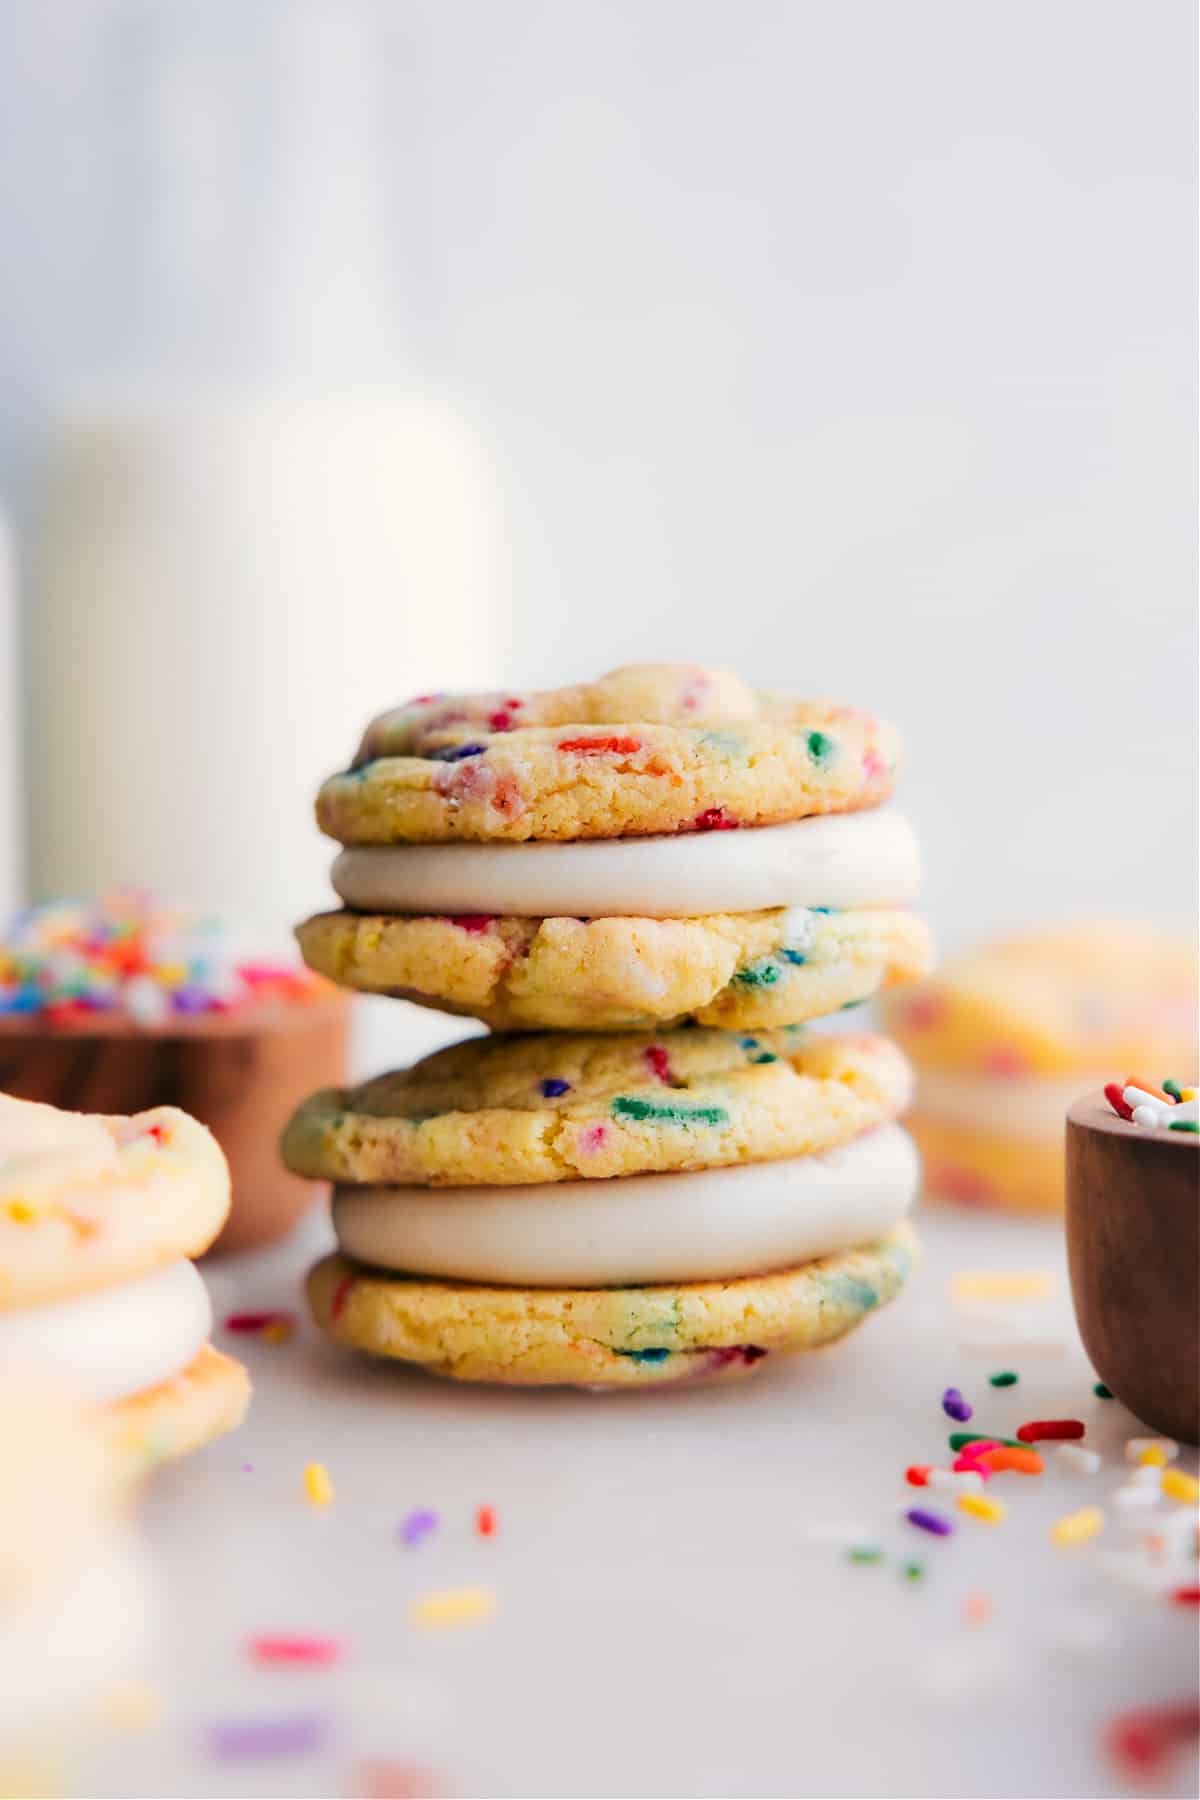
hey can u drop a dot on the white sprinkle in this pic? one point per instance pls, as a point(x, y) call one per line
point(962, 1479)
point(1150, 1115)
point(1131, 1496)
point(1138, 1097)
point(1146, 1475)
point(1137, 1446)
point(145, 1000)
point(1081, 1461)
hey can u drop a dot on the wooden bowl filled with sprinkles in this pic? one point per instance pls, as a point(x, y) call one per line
point(1133, 1242)
point(126, 1004)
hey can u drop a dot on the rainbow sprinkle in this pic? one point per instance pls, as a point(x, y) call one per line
point(129, 957)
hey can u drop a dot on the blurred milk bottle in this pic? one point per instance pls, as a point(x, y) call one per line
point(263, 528)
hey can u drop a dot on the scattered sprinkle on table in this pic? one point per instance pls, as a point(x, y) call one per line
point(955, 1407)
point(289, 1736)
point(959, 1440)
point(1140, 1742)
point(255, 1323)
point(1037, 1430)
point(418, 1525)
point(978, 1506)
point(309, 1650)
point(1077, 1527)
point(1004, 1378)
point(318, 1487)
point(988, 1284)
point(1101, 1392)
point(864, 1553)
point(937, 1524)
point(1009, 1458)
point(913, 1571)
point(1186, 1596)
point(1181, 1487)
point(1155, 1451)
point(1076, 1458)
point(485, 1521)
point(454, 1606)
point(977, 1609)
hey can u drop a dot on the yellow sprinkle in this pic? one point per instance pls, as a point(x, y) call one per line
point(987, 1284)
point(1154, 1456)
point(170, 974)
point(1078, 1527)
point(1180, 1486)
point(453, 1606)
point(1188, 1093)
point(132, 1706)
point(990, 1511)
point(277, 1332)
point(317, 1485)
point(21, 1212)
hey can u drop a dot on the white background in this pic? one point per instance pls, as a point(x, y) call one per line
point(849, 343)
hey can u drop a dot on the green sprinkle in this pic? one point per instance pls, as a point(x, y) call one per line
point(1172, 1088)
point(820, 747)
point(759, 974)
point(913, 1571)
point(765, 1056)
point(1004, 1378)
point(865, 1553)
point(627, 1106)
point(1183, 1125)
point(960, 1439)
point(1101, 1392)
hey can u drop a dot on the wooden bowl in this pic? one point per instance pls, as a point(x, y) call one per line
point(242, 1074)
point(1133, 1243)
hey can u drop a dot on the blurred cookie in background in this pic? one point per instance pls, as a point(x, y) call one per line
point(1007, 1037)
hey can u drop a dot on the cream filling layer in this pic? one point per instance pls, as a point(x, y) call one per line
point(115, 1342)
point(707, 1224)
point(836, 860)
point(1025, 1106)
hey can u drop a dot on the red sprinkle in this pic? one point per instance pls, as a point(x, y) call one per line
point(500, 721)
point(485, 1522)
point(1142, 1741)
point(714, 818)
point(341, 1294)
point(257, 1321)
point(657, 1060)
point(1186, 1596)
point(917, 1474)
point(296, 1649)
point(1037, 1429)
point(601, 746)
point(1115, 1096)
point(157, 1132)
point(472, 922)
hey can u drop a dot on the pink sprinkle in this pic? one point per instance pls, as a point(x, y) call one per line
point(341, 1294)
point(593, 1137)
point(296, 1649)
point(658, 1062)
point(714, 818)
point(924, 1012)
point(472, 922)
point(1002, 1060)
point(874, 766)
point(257, 1321)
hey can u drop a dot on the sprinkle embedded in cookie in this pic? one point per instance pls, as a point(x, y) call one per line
point(547, 1108)
point(650, 748)
point(607, 1337)
point(737, 970)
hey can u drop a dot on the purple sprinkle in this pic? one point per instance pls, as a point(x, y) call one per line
point(552, 1087)
point(190, 1000)
point(457, 751)
point(267, 1737)
point(925, 1520)
point(418, 1525)
point(955, 1407)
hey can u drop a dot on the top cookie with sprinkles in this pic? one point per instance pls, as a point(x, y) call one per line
point(651, 748)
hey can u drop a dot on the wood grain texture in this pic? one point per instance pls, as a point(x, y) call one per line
point(1133, 1244)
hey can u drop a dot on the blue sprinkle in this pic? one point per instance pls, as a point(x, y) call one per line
point(456, 752)
point(645, 1356)
point(796, 957)
point(552, 1087)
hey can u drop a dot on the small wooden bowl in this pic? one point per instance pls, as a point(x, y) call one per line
point(1133, 1244)
point(241, 1073)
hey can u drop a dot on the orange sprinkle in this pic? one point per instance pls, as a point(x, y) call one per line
point(1149, 1087)
point(977, 1609)
point(1024, 1462)
point(485, 1521)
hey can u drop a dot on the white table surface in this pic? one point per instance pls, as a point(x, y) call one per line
point(671, 1618)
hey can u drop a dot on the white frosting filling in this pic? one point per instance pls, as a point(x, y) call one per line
point(114, 1342)
point(707, 1224)
point(1025, 1106)
point(836, 860)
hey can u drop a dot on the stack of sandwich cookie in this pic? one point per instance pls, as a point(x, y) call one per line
point(99, 1217)
point(625, 1196)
